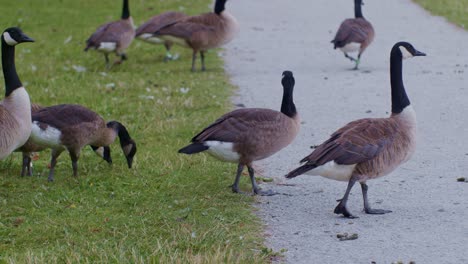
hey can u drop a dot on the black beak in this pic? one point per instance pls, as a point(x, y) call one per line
point(418, 53)
point(25, 38)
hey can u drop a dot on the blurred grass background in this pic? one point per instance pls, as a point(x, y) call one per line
point(456, 11)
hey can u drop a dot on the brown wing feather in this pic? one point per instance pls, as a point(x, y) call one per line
point(160, 21)
point(235, 124)
point(357, 142)
point(65, 115)
point(352, 30)
point(110, 32)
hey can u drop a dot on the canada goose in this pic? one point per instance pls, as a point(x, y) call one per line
point(249, 134)
point(15, 108)
point(146, 32)
point(29, 147)
point(202, 32)
point(114, 36)
point(354, 34)
point(71, 127)
point(372, 147)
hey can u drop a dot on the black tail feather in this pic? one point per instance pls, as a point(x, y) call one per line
point(193, 148)
point(301, 170)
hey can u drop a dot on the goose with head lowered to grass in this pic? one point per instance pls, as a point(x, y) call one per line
point(372, 147)
point(202, 32)
point(354, 34)
point(113, 37)
point(15, 108)
point(29, 148)
point(249, 134)
point(71, 127)
point(146, 31)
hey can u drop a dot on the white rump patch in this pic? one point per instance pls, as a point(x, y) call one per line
point(49, 137)
point(9, 40)
point(405, 53)
point(222, 150)
point(333, 171)
point(351, 47)
point(107, 46)
point(150, 38)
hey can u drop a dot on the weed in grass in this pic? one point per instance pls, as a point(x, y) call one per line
point(169, 207)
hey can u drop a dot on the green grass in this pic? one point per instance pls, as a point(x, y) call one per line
point(170, 208)
point(455, 11)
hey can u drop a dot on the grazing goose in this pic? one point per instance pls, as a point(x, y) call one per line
point(246, 135)
point(202, 32)
point(114, 36)
point(71, 127)
point(29, 147)
point(146, 32)
point(15, 108)
point(372, 147)
point(354, 34)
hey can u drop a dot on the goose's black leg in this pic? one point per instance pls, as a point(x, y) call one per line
point(341, 207)
point(74, 158)
point(349, 57)
point(255, 187)
point(357, 62)
point(202, 57)
point(106, 57)
point(367, 208)
point(53, 162)
point(194, 58)
point(235, 186)
point(26, 168)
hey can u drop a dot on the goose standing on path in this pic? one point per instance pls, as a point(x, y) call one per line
point(354, 34)
point(71, 127)
point(372, 147)
point(202, 32)
point(246, 135)
point(146, 32)
point(15, 108)
point(114, 36)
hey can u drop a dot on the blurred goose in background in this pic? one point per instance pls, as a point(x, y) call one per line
point(249, 134)
point(146, 32)
point(113, 37)
point(354, 34)
point(371, 147)
point(71, 127)
point(202, 32)
point(15, 108)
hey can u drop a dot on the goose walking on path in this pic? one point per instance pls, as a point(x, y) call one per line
point(246, 135)
point(71, 127)
point(354, 34)
point(113, 37)
point(202, 32)
point(15, 108)
point(372, 147)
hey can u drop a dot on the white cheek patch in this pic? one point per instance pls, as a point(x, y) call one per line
point(222, 150)
point(107, 46)
point(405, 53)
point(50, 137)
point(8, 39)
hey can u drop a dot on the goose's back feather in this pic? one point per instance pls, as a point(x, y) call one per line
point(120, 32)
point(160, 21)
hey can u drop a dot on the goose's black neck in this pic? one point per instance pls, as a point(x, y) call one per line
point(12, 80)
point(121, 131)
point(400, 99)
point(125, 10)
point(219, 6)
point(287, 105)
point(357, 9)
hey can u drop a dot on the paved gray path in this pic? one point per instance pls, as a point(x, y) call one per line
point(430, 209)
